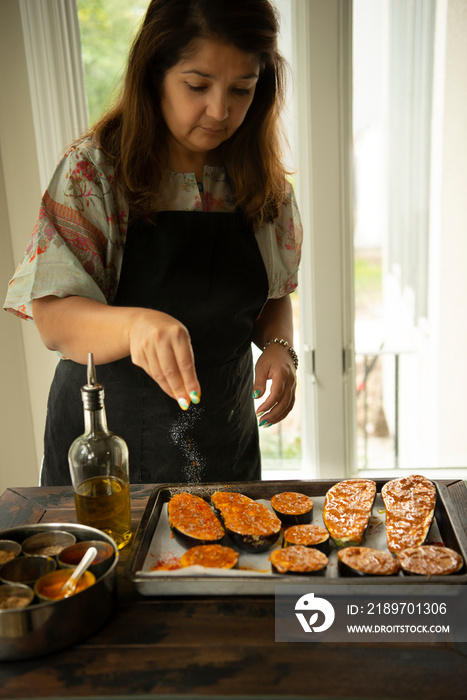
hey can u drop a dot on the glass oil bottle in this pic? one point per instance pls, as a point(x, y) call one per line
point(98, 462)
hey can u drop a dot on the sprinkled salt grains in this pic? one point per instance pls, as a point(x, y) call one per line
point(179, 434)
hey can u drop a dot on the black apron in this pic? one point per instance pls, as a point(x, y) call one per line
point(206, 270)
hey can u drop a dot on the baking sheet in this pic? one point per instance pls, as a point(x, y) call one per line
point(155, 550)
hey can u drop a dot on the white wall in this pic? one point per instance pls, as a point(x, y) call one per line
point(42, 109)
point(449, 258)
point(25, 365)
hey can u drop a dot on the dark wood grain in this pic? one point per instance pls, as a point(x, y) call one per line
point(211, 652)
point(217, 646)
point(15, 510)
point(457, 491)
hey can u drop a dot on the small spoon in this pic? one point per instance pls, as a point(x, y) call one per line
point(70, 585)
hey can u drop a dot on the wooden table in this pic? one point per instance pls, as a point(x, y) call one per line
point(216, 647)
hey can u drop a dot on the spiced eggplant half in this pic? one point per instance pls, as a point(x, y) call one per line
point(347, 510)
point(430, 560)
point(251, 526)
point(410, 508)
point(292, 508)
point(193, 521)
point(298, 560)
point(211, 556)
point(307, 536)
point(366, 561)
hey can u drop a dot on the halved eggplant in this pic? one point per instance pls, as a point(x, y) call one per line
point(430, 560)
point(211, 556)
point(193, 521)
point(366, 561)
point(292, 508)
point(307, 536)
point(347, 510)
point(410, 508)
point(298, 560)
point(250, 525)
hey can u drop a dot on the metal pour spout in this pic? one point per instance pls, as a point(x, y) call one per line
point(92, 393)
point(91, 370)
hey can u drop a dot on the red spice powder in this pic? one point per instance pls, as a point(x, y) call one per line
point(168, 562)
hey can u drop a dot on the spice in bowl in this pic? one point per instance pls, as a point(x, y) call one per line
point(15, 596)
point(9, 549)
point(48, 544)
point(71, 556)
point(50, 586)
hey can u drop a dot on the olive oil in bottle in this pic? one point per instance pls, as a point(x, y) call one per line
point(98, 462)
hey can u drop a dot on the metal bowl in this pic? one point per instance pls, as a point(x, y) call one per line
point(15, 595)
point(45, 627)
point(47, 544)
point(70, 557)
point(26, 569)
point(8, 551)
point(50, 586)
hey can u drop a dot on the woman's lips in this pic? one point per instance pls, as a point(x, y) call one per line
point(211, 130)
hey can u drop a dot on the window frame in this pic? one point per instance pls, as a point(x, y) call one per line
point(323, 69)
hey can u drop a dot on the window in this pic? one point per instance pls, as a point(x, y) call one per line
point(418, 274)
point(409, 376)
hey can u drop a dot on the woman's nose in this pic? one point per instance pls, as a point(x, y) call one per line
point(217, 107)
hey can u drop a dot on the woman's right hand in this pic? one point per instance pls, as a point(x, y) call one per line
point(157, 342)
point(161, 345)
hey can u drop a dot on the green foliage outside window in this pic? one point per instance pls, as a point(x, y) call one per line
point(107, 30)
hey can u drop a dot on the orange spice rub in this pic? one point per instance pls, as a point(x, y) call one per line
point(307, 535)
point(245, 516)
point(192, 516)
point(410, 506)
point(430, 560)
point(367, 560)
point(291, 503)
point(298, 559)
point(347, 509)
point(211, 556)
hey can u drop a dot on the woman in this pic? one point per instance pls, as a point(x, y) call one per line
point(168, 241)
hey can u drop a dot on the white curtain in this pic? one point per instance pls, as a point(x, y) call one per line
point(56, 77)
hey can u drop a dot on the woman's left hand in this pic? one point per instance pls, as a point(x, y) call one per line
point(275, 364)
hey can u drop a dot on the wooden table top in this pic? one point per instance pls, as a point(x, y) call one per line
point(218, 646)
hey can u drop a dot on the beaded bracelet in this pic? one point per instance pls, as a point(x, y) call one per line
point(283, 342)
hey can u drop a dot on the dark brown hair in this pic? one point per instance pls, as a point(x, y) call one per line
point(133, 132)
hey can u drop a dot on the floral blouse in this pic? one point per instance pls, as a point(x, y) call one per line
point(77, 244)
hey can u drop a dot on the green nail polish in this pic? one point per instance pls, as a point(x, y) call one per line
point(194, 396)
point(269, 425)
point(258, 415)
point(183, 403)
point(256, 394)
point(263, 422)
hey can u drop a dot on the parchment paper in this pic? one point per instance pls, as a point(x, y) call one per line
point(166, 551)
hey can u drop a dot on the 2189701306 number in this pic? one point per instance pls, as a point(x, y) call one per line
point(400, 608)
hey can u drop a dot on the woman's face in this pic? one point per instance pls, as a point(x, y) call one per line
point(205, 97)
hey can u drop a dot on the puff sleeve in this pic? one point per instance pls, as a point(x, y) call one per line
point(280, 244)
point(76, 247)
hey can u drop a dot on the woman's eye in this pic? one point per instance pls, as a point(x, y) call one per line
point(196, 88)
point(242, 91)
